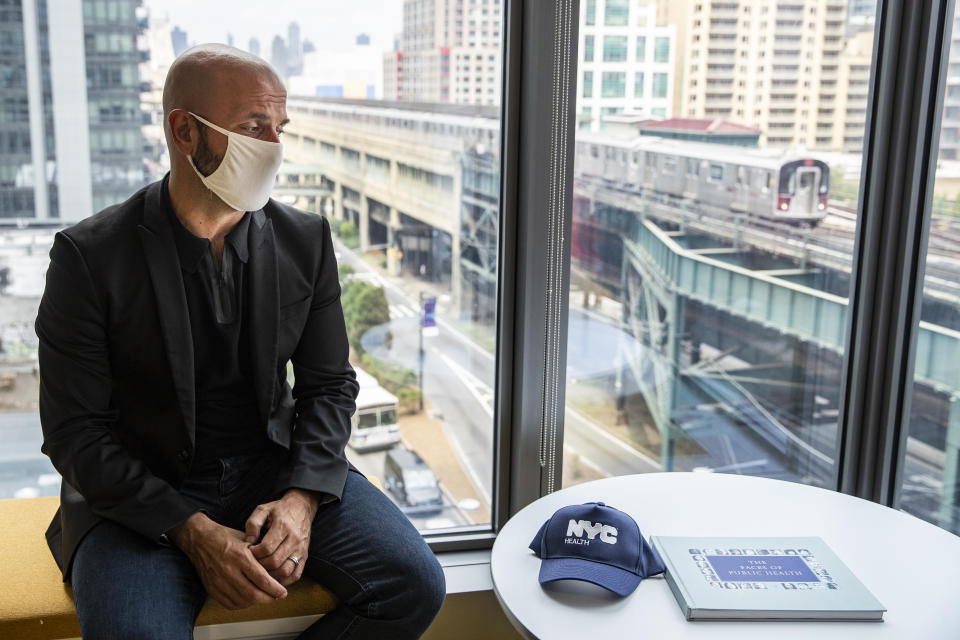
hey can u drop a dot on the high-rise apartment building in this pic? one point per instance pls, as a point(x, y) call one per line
point(112, 59)
point(627, 62)
point(278, 55)
point(25, 116)
point(449, 52)
point(841, 123)
point(70, 116)
point(950, 123)
point(769, 64)
point(677, 13)
point(294, 50)
point(179, 37)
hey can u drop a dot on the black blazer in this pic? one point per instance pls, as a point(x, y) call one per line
point(117, 401)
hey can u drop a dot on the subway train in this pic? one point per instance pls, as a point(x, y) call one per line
point(766, 183)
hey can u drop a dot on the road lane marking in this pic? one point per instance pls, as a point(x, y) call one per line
point(402, 311)
point(465, 462)
point(465, 338)
point(603, 433)
point(484, 395)
point(479, 389)
point(585, 460)
point(469, 381)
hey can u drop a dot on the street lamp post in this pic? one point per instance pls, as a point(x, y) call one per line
point(420, 333)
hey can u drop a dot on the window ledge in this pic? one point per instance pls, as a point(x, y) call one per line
point(466, 571)
point(37, 604)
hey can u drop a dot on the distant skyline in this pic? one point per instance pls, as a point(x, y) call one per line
point(329, 24)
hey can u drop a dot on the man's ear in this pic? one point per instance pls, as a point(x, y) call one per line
point(183, 130)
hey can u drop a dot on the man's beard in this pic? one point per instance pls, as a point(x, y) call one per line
point(204, 159)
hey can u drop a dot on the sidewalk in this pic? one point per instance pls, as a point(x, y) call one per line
point(426, 436)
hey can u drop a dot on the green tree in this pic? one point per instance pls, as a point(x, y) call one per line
point(349, 234)
point(364, 307)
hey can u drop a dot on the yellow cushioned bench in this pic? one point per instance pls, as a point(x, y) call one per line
point(36, 603)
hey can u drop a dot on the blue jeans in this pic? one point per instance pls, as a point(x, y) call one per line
point(362, 548)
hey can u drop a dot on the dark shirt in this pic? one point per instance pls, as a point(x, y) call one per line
point(228, 419)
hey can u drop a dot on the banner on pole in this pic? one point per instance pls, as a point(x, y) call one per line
point(429, 319)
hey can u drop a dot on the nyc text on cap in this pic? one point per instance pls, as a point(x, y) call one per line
point(595, 543)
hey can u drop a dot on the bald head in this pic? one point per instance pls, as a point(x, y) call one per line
point(236, 92)
point(207, 77)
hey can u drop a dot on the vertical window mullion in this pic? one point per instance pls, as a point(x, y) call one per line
point(539, 123)
point(911, 46)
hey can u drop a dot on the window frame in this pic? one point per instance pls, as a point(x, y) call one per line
point(539, 77)
point(907, 85)
point(905, 104)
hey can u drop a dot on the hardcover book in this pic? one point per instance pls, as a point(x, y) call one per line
point(763, 579)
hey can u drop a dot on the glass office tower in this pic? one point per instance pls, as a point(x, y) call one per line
point(70, 115)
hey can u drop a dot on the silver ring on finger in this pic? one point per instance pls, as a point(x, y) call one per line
point(295, 560)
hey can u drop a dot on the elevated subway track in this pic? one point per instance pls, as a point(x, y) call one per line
point(829, 246)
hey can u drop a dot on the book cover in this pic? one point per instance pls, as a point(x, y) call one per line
point(763, 579)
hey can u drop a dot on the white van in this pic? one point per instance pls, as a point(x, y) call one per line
point(374, 424)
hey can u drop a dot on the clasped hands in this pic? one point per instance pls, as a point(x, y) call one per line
point(238, 571)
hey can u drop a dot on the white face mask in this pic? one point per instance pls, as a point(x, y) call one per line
point(247, 172)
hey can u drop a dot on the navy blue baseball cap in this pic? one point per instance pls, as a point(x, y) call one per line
point(595, 543)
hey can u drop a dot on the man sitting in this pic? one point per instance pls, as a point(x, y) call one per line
point(190, 467)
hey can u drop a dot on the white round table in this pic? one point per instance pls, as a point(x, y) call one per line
point(911, 566)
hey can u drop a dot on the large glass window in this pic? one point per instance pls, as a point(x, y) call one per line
point(614, 84)
point(588, 84)
point(616, 13)
point(614, 48)
point(930, 469)
point(660, 85)
point(710, 269)
point(707, 316)
point(661, 50)
point(393, 136)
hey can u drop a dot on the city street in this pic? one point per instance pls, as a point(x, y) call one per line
point(459, 375)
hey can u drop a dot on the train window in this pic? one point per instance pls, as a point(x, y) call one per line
point(670, 164)
point(651, 160)
point(769, 180)
point(716, 172)
point(636, 158)
point(693, 167)
point(741, 175)
point(594, 151)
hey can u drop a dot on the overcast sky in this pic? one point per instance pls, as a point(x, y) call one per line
point(330, 24)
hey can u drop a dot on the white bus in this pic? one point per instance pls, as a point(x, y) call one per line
point(374, 424)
